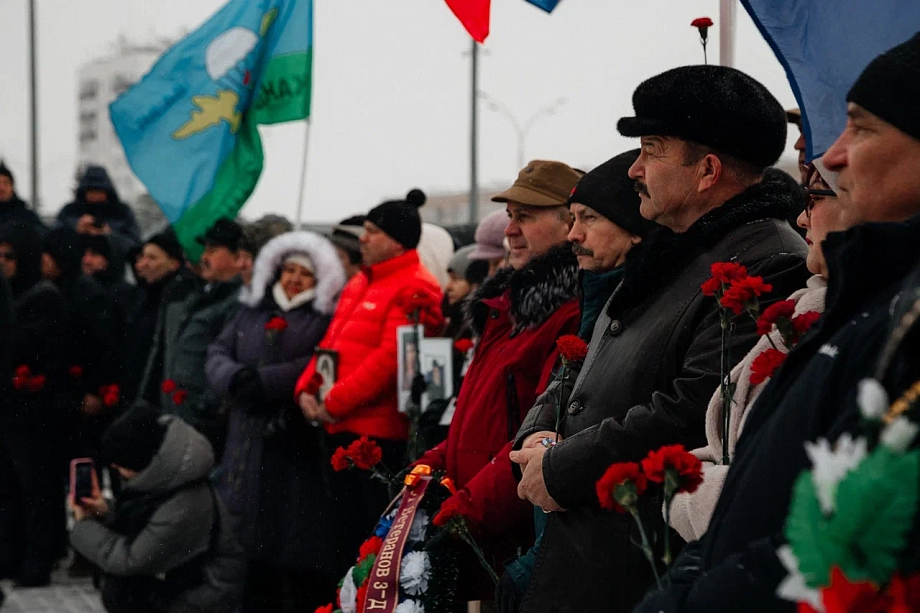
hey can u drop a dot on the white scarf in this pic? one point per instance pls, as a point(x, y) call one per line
point(286, 304)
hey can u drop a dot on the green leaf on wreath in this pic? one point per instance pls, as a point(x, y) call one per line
point(805, 531)
point(363, 569)
point(876, 504)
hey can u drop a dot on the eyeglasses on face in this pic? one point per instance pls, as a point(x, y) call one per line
point(813, 195)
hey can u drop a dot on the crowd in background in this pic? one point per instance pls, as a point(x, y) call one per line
point(199, 384)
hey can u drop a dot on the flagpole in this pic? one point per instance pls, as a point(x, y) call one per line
point(303, 176)
point(33, 105)
point(727, 32)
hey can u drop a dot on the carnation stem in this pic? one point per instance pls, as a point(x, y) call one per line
point(646, 546)
point(705, 59)
point(725, 372)
point(464, 534)
point(565, 374)
point(667, 528)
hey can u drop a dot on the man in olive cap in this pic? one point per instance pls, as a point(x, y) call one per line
point(708, 133)
point(517, 315)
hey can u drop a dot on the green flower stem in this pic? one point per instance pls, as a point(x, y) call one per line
point(668, 498)
point(646, 546)
point(725, 384)
point(464, 533)
point(565, 375)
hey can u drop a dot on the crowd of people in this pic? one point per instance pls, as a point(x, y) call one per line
point(206, 388)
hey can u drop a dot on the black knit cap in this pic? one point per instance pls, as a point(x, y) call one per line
point(6, 172)
point(134, 438)
point(715, 106)
point(400, 218)
point(889, 85)
point(98, 244)
point(608, 190)
point(346, 235)
point(167, 241)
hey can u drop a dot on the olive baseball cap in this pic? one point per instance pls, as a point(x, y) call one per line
point(541, 183)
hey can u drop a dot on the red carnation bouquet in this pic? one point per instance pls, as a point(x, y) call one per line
point(736, 292)
point(363, 454)
point(791, 327)
point(670, 470)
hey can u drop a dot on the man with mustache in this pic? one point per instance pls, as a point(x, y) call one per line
point(189, 327)
point(708, 133)
point(606, 226)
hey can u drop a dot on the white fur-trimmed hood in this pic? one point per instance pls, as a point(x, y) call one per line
point(330, 276)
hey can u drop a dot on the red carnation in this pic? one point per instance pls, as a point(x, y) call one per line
point(75, 371)
point(742, 292)
point(802, 323)
point(168, 386)
point(276, 323)
point(179, 397)
point(326, 609)
point(463, 345)
point(110, 394)
point(621, 486)
point(677, 468)
point(365, 453)
point(340, 460)
point(21, 377)
point(370, 546)
point(773, 313)
point(726, 272)
point(23, 371)
point(36, 383)
point(701, 22)
point(764, 365)
point(711, 287)
point(572, 348)
point(313, 385)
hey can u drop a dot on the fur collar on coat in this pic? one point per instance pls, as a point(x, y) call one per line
point(330, 276)
point(536, 291)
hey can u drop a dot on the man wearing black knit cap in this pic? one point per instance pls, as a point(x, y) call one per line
point(392, 290)
point(708, 133)
point(877, 158)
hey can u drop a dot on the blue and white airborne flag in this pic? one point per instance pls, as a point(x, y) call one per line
point(824, 46)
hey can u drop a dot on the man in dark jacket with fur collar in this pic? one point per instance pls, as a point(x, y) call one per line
point(708, 133)
point(517, 316)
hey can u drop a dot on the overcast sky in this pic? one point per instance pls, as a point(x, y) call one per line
point(391, 89)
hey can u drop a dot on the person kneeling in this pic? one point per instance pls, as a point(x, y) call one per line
point(166, 544)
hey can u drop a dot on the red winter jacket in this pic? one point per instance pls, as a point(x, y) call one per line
point(363, 331)
point(518, 315)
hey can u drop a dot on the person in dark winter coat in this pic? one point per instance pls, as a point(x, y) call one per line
point(190, 327)
point(167, 544)
point(97, 210)
point(606, 227)
point(812, 395)
point(517, 315)
point(31, 505)
point(12, 207)
point(654, 357)
point(163, 279)
point(274, 464)
point(100, 262)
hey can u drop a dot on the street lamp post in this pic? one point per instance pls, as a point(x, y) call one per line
point(522, 129)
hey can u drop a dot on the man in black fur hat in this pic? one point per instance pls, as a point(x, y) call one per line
point(708, 133)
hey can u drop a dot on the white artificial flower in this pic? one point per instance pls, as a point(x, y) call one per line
point(830, 466)
point(872, 399)
point(416, 568)
point(899, 434)
point(349, 593)
point(419, 526)
point(410, 606)
point(793, 587)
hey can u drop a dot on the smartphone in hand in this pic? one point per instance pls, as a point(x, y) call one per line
point(82, 480)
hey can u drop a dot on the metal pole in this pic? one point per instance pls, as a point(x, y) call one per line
point(303, 177)
point(727, 32)
point(33, 104)
point(474, 133)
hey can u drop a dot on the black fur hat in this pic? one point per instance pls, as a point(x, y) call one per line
point(715, 106)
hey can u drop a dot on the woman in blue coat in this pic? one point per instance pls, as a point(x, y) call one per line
point(272, 472)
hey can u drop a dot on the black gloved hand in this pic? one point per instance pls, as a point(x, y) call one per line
point(419, 387)
point(247, 391)
point(508, 596)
